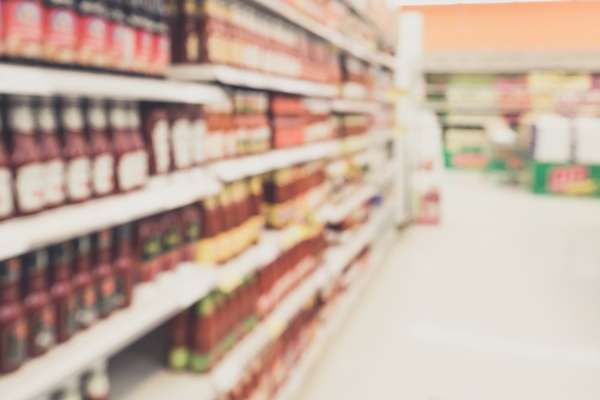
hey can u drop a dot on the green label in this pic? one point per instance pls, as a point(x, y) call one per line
point(192, 232)
point(151, 248)
point(179, 358)
point(171, 239)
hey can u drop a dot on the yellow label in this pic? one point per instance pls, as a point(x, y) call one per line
point(275, 326)
point(205, 252)
point(229, 280)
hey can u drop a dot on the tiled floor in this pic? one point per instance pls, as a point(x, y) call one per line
point(500, 302)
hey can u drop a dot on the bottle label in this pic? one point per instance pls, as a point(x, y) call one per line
point(42, 329)
point(7, 206)
point(78, 178)
point(181, 144)
point(126, 171)
point(143, 50)
point(103, 174)
point(129, 51)
point(59, 35)
point(97, 118)
point(142, 169)
point(172, 239)
point(92, 41)
point(151, 249)
point(30, 187)
point(199, 140)
point(116, 46)
point(22, 28)
point(46, 119)
point(192, 232)
point(73, 118)
point(106, 292)
point(20, 119)
point(87, 312)
point(55, 182)
point(68, 309)
point(160, 145)
point(161, 54)
point(120, 290)
point(15, 341)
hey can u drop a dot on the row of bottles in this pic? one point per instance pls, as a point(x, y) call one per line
point(129, 36)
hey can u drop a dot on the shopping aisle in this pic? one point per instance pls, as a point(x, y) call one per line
point(501, 302)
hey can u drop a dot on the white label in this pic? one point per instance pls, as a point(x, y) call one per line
point(141, 160)
point(182, 152)
point(72, 118)
point(103, 174)
point(97, 118)
point(160, 145)
point(46, 119)
point(198, 140)
point(78, 178)
point(118, 119)
point(30, 187)
point(126, 171)
point(6, 197)
point(21, 119)
point(54, 174)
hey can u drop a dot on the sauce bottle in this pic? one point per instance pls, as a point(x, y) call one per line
point(84, 284)
point(7, 201)
point(38, 304)
point(178, 341)
point(65, 301)
point(92, 38)
point(124, 267)
point(170, 228)
point(96, 385)
point(75, 152)
point(198, 135)
point(103, 272)
point(148, 244)
point(117, 33)
point(138, 45)
point(22, 29)
point(190, 222)
point(160, 56)
point(60, 32)
point(180, 137)
point(103, 161)
point(13, 323)
point(155, 126)
point(207, 250)
point(122, 146)
point(139, 153)
point(204, 336)
point(51, 149)
point(184, 31)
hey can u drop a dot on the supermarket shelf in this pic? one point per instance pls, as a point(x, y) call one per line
point(250, 79)
point(18, 79)
point(23, 234)
point(359, 9)
point(345, 106)
point(153, 304)
point(239, 168)
point(338, 212)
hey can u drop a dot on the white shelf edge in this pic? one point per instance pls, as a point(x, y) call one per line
point(250, 79)
point(47, 81)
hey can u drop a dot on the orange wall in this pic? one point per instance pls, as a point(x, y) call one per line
point(568, 25)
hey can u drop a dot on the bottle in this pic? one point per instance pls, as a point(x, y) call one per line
point(122, 146)
point(181, 130)
point(22, 30)
point(155, 126)
point(13, 323)
point(125, 267)
point(136, 31)
point(52, 157)
point(116, 37)
point(104, 274)
point(178, 341)
point(170, 228)
point(101, 152)
point(139, 152)
point(38, 304)
point(96, 385)
point(148, 249)
point(198, 136)
point(84, 284)
point(63, 296)
point(75, 152)
point(160, 56)
point(25, 156)
point(60, 32)
point(92, 38)
point(190, 227)
point(185, 42)
point(7, 200)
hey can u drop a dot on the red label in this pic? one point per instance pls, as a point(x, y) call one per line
point(117, 40)
point(60, 28)
point(559, 179)
point(93, 39)
point(143, 50)
point(22, 28)
point(161, 54)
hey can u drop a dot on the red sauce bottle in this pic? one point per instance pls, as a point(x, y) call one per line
point(76, 152)
point(13, 323)
point(92, 38)
point(60, 31)
point(40, 312)
point(148, 246)
point(184, 31)
point(158, 135)
point(178, 341)
point(198, 136)
point(84, 284)
point(117, 32)
point(140, 163)
point(190, 226)
point(22, 29)
point(104, 273)
point(65, 301)
point(140, 40)
point(181, 130)
point(160, 56)
point(122, 146)
point(103, 161)
point(51, 148)
point(125, 267)
point(170, 228)
point(7, 200)
point(25, 156)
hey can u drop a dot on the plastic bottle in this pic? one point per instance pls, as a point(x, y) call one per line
point(122, 147)
point(22, 24)
point(101, 152)
point(60, 32)
point(63, 296)
point(104, 273)
point(92, 38)
point(13, 323)
point(125, 267)
point(84, 284)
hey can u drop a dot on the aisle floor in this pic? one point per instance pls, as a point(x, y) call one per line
point(500, 302)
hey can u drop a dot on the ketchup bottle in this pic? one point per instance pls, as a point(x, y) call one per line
point(38, 304)
point(124, 267)
point(65, 302)
point(13, 324)
point(117, 36)
point(158, 135)
point(84, 284)
point(103, 161)
point(7, 201)
point(134, 22)
point(181, 131)
point(178, 341)
point(140, 154)
point(170, 228)
point(51, 148)
point(148, 246)
point(104, 273)
point(190, 223)
point(160, 56)
point(25, 156)
point(76, 152)
point(122, 147)
point(92, 37)
point(60, 31)
point(22, 29)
